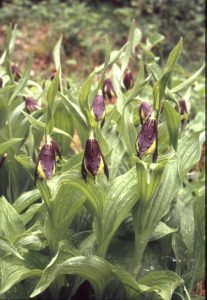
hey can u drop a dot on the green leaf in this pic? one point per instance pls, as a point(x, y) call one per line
point(6, 145)
point(148, 179)
point(8, 247)
point(93, 191)
point(137, 88)
point(41, 126)
point(129, 47)
point(84, 93)
point(157, 189)
point(27, 164)
point(56, 54)
point(197, 265)
point(189, 152)
point(63, 121)
point(162, 230)
point(33, 210)
point(25, 200)
point(75, 109)
point(51, 94)
point(173, 123)
point(187, 82)
point(23, 81)
point(29, 241)
point(181, 254)
point(14, 270)
point(160, 86)
point(10, 43)
point(65, 204)
point(162, 282)
point(113, 58)
point(121, 197)
point(11, 225)
point(93, 268)
point(155, 39)
point(107, 53)
point(45, 192)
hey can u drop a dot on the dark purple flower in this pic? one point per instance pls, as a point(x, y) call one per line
point(128, 80)
point(1, 82)
point(145, 110)
point(16, 72)
point(93, 161)
point(183, 112)
point(147, 139)
point(3, 159)
point(45, 167)
point(52, 74)
point(31, 105)
point(108, 90)
point(98, 107)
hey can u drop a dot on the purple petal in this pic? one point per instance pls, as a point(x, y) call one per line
point(92, 156)
point(98, 107)
point(128, 80)
point(147, 136)
point(47, 160)
point(30, 104)
point(108, 89)
point(144, 111)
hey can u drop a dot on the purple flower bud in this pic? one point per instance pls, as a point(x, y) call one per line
point(108, 91)
point(52, 74)
point(183, 112)
point(1, 82)
point(17, 74)
point(3, 159)
point(128, 80)
point(45, 167)
point(93, 161)
point(145, 110)
point(98, 107)
point(31, 105)
point(147, 139)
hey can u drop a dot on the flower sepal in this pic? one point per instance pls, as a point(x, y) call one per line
point(147, 139)
point(93, 162)
point(46, 163)
point(98, 109)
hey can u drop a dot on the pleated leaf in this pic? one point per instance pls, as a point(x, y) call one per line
point(161, 282)
point(51, 94)
point(173, 123)
point(7, 247)
point(187, 82)
point(41, 126)
point(160, 86)
point(6, 145)
point(121, 197)
point(162, 230)
point(69, 261)
point(23, 81)
point(11, 225)
point(189, 152)
point(14, 270)
point(25, 200)
point(157, 195)
point(65, 204)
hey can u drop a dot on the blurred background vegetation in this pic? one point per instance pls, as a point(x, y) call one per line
point(84, 23)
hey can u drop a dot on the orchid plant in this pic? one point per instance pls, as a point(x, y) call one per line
point(122, 219)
